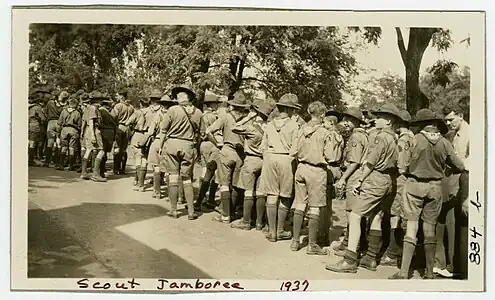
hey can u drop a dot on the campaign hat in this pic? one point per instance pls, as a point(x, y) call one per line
point(289, 100)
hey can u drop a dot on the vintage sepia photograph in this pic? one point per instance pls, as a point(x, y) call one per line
point(226, 150)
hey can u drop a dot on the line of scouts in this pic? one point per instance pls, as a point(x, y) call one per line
point(267, 162)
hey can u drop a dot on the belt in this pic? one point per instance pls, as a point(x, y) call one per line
point(323, 166)
point(180, 138)
point(253, 155)
point(422, 179)
point(72, 126)
point(140, 131)
point(123, 124)
point(389, 171)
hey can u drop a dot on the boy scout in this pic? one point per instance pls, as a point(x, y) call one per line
point(93, 138)
point(404, 148)
point(151, 123)
point(209, 154)
point(123, 111)
point(107, 126)
point(277, 177)
point(136, 135)
point(314, 150)
point(430, 156)
point(153, 132)
point(36, 120)
point(53, 109)
point(180, 129)
point(231, 156)
point(353, 157)
point(69, 124)
point(140, 152)
point(371, 190)
point(251, 128)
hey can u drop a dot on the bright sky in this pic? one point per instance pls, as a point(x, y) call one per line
point(386, 56)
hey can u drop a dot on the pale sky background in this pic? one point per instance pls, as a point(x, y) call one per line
point(385, 57)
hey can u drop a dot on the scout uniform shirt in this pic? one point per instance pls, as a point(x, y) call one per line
point(153, 131)
point(314, 150)
point(122, 112)
point(382, 153)
point(279, 136)
point(225, 123)
point(209, 118)
point(52, 110)
point(253, 133)
point(71, 119)
point(404, 148)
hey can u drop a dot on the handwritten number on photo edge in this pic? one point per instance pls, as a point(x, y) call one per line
point(286, 285)
point(475, 256)
point(477, 204)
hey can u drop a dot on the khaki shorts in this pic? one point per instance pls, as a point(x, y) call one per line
point(396, 208)
point(375, 194)
point(208, 152)
point(108, 136)
point(153, 155)
point(310, 186)
point(422, 200)
point(277, 175)
point(229, 165)
point(122, 137)
point(136, 153)
point(52, 129)
point(97, 144)
point(249, 177)
point(178, 157)
point(69, 137)
point(350, 199)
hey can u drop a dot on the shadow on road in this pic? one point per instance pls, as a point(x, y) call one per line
point(83, 242)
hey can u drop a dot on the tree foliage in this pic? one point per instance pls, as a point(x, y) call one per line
point(308, 61)
point(389, 88)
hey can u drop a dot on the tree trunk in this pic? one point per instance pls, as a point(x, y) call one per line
point(419, 39)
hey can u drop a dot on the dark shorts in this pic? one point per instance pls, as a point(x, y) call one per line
point(422, 200)
point(375, 194)
point(249, 177)
point(108, 136)
point(69, 137)
point(178, 158)
point(122, 137)
point(310, 186)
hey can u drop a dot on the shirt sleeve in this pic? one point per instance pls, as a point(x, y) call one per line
point(154, 125)
point(165, 124)
point(404, 155)
point(61, 118)
point(453, 160)
point(217, 125)
point(356, 148)
point(92, 113)
point(376, 149)
point(41, 114)
point(332, 148)
point(242, 130)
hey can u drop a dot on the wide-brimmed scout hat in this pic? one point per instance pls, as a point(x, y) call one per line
point(63, 96)
point(405, 116)
point(211, 98)
point(333, 112)
point(289, 100)
point(387, 109)
point(239, 100)
point(166, 100)
point(355, 113)
point(264, 108)
point(427, 115)
point(96, 96)
point(155, 95)
point(185, 88)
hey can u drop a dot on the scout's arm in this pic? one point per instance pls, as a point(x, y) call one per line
point(452, 160)
point(164, 126)
point(217, 125)
point(246, 119)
